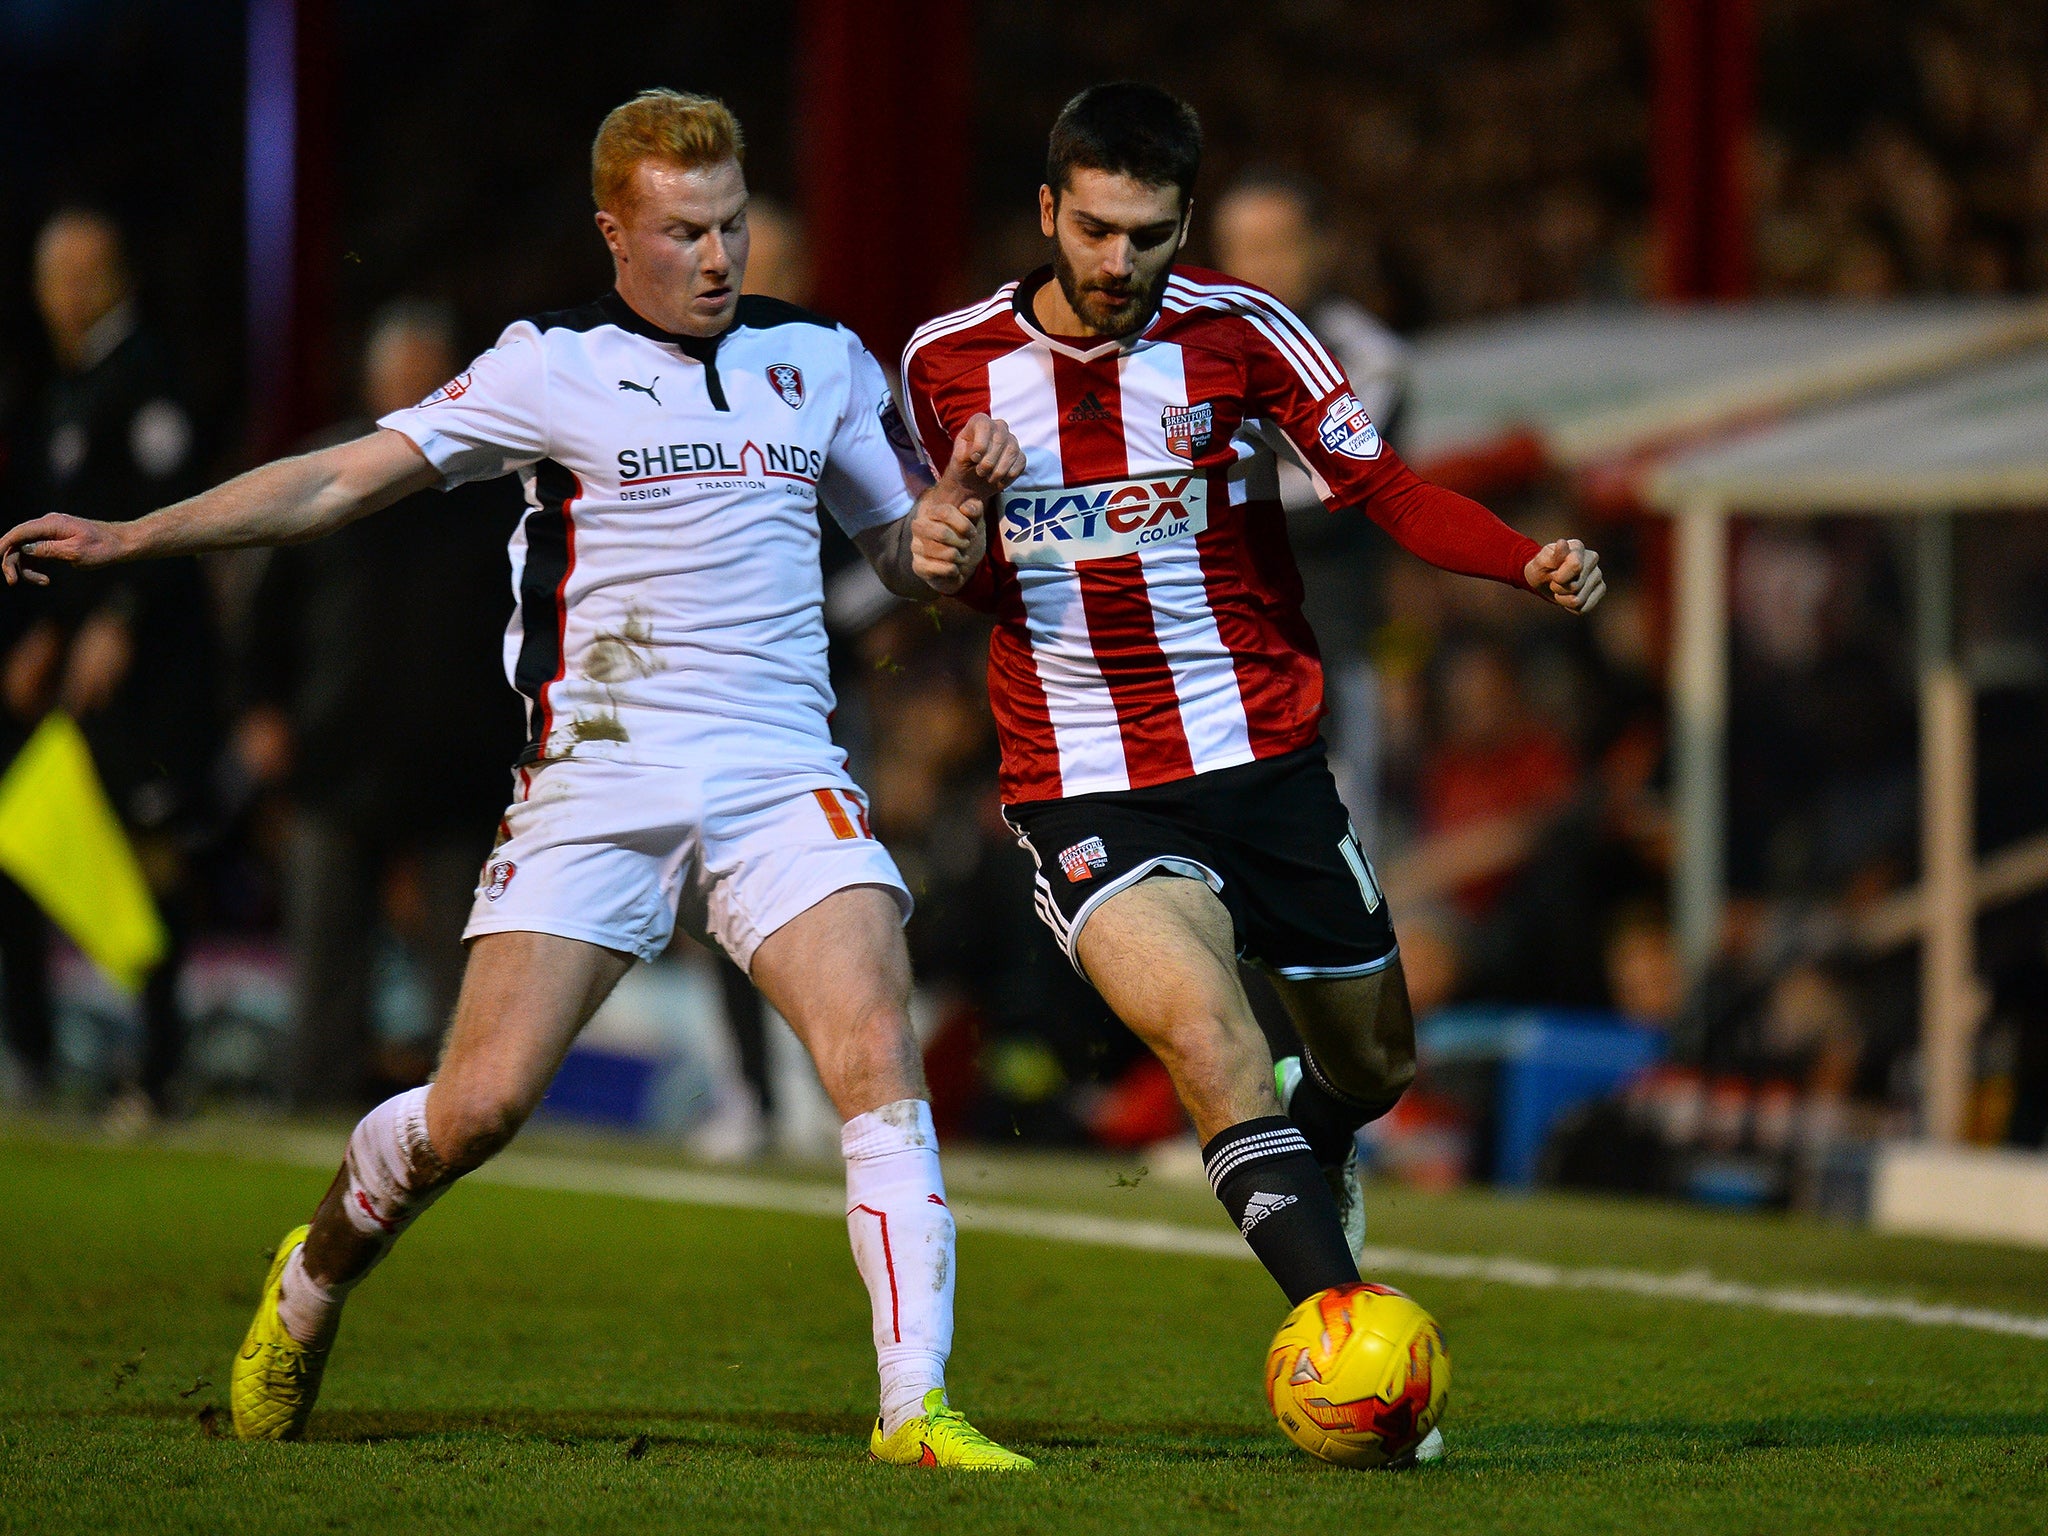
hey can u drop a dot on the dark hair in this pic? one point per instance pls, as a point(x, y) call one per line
point(1129, 129)
point(1272, 178)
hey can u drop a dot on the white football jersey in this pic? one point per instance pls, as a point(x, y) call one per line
point(667, 573)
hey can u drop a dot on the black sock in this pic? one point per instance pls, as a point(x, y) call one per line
point(1328, 1117)
point(1266, 1177)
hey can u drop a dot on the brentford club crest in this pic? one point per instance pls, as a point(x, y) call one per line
point(788, 380)
point(497, 875)
point(1188, 428)
point(1081, 861)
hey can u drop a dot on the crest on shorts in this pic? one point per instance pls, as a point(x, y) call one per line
point(1083, 859)
point(788, 380)
point(1188, 428)
point(497, 875)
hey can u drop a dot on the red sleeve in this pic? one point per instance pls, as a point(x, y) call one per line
point(1450, 531)
point(935, 442)
point(1301, 390)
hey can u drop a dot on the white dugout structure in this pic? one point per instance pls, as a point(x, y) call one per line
point(1928, 410)
point(1970, 441)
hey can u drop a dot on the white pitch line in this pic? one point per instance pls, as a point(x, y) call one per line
point(539, 1171)
point(679, 1186)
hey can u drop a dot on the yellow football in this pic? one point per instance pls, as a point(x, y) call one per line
point(1358, 1375)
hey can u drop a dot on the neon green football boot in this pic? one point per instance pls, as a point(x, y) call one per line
point(942, 1437)
point(275, 1378)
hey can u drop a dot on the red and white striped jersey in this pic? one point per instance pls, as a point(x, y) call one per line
point(1148, 608)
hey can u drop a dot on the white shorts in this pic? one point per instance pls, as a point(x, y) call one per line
point(618, 853)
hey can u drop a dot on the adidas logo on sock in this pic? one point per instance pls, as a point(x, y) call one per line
point(1087, 408)
point(1260, 1206)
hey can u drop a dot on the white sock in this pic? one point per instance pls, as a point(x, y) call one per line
point(310, 1311)
point(392, 1177)
point(393, 1174)
point(902, 1236)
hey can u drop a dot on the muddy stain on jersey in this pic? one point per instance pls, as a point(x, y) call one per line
point(626, 652)
point(598, 728)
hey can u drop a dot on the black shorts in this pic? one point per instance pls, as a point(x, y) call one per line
point(1270, 838)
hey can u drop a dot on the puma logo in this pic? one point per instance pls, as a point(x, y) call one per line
point(646, 389)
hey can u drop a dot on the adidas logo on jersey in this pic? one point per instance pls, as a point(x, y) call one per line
point(1262, 1205)
point(1087, 408)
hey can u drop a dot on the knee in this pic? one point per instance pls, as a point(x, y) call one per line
point(1210, 1046)
point(474, 1127)
point(1373, 1071)
point(1396, 1070)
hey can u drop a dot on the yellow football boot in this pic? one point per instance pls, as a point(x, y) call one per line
point(275, 1378)
point(942, 1437)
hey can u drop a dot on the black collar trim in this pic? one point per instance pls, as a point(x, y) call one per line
point(627, 318)
point(1027, 290)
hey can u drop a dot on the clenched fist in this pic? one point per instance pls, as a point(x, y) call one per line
point(1568, 574)
point(948, 532)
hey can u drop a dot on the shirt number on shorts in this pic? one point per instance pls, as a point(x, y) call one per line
point(1361, 870)
point(837, 805)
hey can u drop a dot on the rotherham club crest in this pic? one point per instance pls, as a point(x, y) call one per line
point(1188, 428)
point(788, 380)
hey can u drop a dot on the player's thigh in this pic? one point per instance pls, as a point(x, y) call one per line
point(524, 997)
point(1162, 954)
point(839, 972)
point(1360, 1028)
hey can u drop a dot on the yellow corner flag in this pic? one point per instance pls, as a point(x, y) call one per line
point(61, 842)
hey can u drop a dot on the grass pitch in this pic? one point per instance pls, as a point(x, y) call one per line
point(533, 1361)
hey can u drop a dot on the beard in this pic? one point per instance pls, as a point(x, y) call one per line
point(1109, 311)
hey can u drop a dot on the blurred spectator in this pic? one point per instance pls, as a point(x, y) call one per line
point(1822, 743)
point(779, 252)
point(1272, 229)
point(376, 698)
point(1644, 980)
point(1491, 785)
point(2018, 1030)
point(128, 651)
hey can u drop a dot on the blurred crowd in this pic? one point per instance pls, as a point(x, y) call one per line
point(1483, 155)
point(309, 746)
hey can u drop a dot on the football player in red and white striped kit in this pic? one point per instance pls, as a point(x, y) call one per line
point(1157, 693)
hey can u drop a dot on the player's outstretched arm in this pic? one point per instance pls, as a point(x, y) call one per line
point(1455, 533)
point(287, 501)
point(933, 551)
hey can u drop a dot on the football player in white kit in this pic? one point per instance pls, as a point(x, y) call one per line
point(676, 442)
